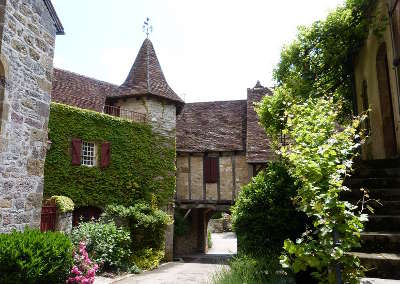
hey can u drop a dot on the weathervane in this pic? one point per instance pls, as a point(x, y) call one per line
point(147, 28)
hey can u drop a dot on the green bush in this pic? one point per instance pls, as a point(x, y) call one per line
point(264, 216)
point(35, 257)
point(106, 244)
point(64, 204)
point(250, 270)
point(147, 258)
point(146, 222)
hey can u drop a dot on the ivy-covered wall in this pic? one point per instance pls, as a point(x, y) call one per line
point(142, 163)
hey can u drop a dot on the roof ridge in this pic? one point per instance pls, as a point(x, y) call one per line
point(221, 101)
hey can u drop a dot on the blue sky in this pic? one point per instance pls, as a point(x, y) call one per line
point(208, 49)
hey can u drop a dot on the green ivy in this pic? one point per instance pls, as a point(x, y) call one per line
point(142, 162)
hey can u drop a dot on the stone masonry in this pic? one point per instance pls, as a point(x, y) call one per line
point(27, 49)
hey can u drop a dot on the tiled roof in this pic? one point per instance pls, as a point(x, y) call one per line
point(258, 150)
point(80, 91)
point(225, 126)
point(146, 77)
point(212, 126)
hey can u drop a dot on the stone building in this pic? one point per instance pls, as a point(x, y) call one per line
point(376, 82)
point(220, 146)
point(27, 37)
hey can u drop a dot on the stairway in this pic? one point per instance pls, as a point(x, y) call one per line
point(380, 243)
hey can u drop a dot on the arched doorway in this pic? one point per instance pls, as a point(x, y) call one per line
point(385, 96)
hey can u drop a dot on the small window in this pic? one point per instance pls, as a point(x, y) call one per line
point(211, 169)
point(88, 154)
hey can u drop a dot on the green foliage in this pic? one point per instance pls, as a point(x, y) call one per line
point(64, 204)
point(106, 244)
point(146, 222)
point(142, 162)
point(147, 258)
point(35, 257)
point(320, 61)
point(209, 240)
point(264, 215)
point(181, 225)
point(319, 155)
point(250, 270)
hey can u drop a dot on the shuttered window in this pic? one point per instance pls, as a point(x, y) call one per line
point(105, 154)
point(211, 169)
point(76, 151)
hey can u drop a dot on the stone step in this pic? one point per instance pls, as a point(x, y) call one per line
point(376, 172)
point(377, 164)
point(380, 265)
point(380, 207)
point(383, 223)
point(382, 242)
point(356, 194)
point(373, 182)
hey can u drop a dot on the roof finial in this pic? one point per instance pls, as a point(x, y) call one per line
point(147, 28)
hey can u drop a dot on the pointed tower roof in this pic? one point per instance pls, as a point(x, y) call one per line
point(147, 78)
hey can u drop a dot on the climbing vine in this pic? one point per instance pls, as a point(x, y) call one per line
point(312, 107)
point(142, 163)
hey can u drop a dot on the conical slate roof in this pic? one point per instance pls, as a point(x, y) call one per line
point(147, 78)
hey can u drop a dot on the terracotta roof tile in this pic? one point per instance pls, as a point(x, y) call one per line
point(80, 91)
point(212, 126)
point(146, 77)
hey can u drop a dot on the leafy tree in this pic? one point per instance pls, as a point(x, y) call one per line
point(320, 61)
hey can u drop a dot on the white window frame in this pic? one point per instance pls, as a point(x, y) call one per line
point(88, 154)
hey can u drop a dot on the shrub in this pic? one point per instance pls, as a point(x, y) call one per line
point(250, 270)
point(264, 216)
point(106, 244)
point(146, 222)
point(147, 258)
point(35, 257)
point(64, 204)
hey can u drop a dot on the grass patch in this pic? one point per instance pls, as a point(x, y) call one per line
point(253, 270)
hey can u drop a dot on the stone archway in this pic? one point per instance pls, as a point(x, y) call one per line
point(385, 96)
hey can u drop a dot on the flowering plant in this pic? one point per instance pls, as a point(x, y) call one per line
point(84, 270)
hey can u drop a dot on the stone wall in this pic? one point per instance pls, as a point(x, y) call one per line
point(234, 172)
point(366, 84)
point(195, 240)
point(27, 49)
point(161, 114)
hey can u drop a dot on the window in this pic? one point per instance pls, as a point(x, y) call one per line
point(85, 153)
point(88, 154)
point(211, 172)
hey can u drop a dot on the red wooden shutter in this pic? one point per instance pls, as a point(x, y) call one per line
point(105, 154)
point(76, 151)
point(211, 169)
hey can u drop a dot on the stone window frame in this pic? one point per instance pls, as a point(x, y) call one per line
point(89, 154)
